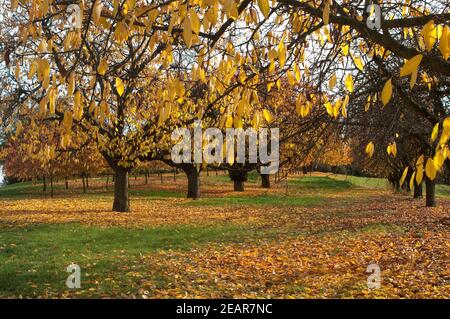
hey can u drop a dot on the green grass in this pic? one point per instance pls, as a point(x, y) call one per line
point(20, 189)
point(443, 190)
point(369, 182)
point(319, 183)
point(260, 200)
point(38, 255)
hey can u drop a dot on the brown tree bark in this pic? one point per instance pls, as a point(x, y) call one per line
point(417, 190)
point(51, 186)
point(430, 187)
point(67, 182)
point(193, 181)
point(84, 183)
point(238, 186)
point(265, 181)
point(121, 199)
point(238, 177)
point(44, 182)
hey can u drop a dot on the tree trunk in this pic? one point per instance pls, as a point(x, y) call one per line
point(193, 181)
point(430, 192)
point(397, 188)
point(87, 180)
point(44, 187)
point(121, 200)
point(238, 186)
point(84, 183)
point(146, 178)
point(51, 186)
point(265, 181)
point(67, 182)
point(238, 177)
point(417, 190)
point(107, 181)
point(162, 181)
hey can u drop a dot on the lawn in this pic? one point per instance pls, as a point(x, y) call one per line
point(313, 237)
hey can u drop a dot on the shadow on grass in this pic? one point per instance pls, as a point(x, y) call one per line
point(319, 183)
point(33, 259)
point(260, 200)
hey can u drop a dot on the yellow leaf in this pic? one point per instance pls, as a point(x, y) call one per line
point(370, 148)
point(329, 108)
point(120, 86)
point(43, 69)
point(446, 125)
point(429, 35)
point(345, 49)
point(326, 13)
point(336, 108)
point(386, 95)
point(187, 32)
point(344, 106)
point(434, 133)
point(333, 81)
point(232, 10)
point(195, 21)
point(431, 169)
point(102, 66)
point(229, 122)
point(358, 63)
point(17, 71)
point(402, 180)
point(122, 32)
point(14, 4)
point(237, 122)
point(411, 65)
point(297, 73)
point(71, 84)
point(444, 44)
point(282, 53)
point(96, 11)
point(264, 7)
point(392, 149)
point(33, 69)
point(291, 78)
point(267, 116)
point(419, 175)
point(67, 121)
point(413, 81)
point(349, 83)
point(439, 158)
point(411, 181)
